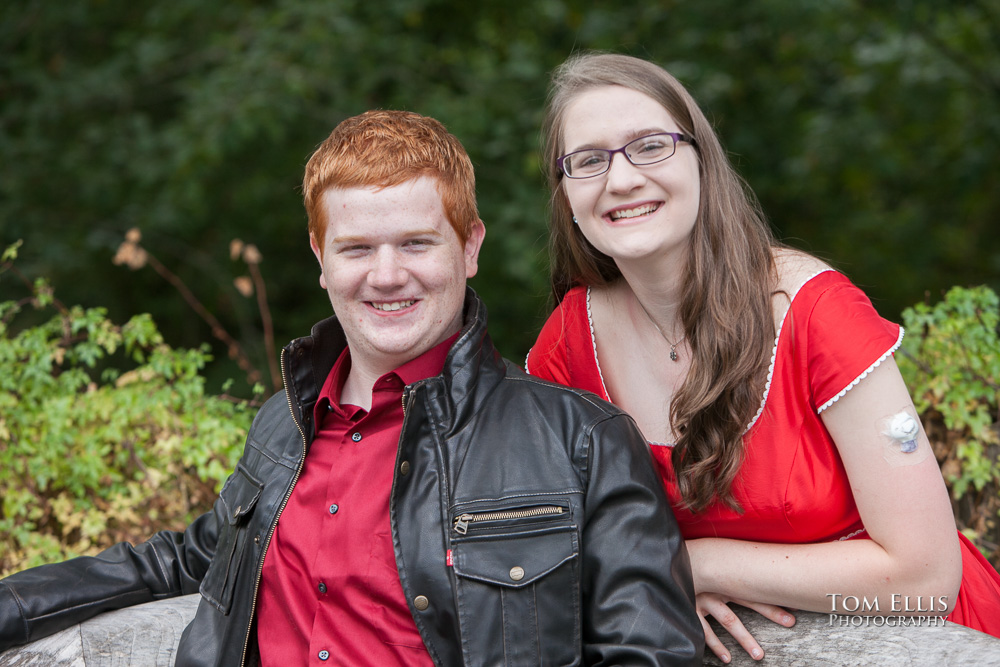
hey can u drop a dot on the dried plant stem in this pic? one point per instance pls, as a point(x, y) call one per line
point(234, 348)
point(265, 316)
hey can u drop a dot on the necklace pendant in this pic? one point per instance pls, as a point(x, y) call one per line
point(673, 353)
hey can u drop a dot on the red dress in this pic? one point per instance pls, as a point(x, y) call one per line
point(792, 484)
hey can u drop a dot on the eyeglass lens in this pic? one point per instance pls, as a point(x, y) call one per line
point(595, 161)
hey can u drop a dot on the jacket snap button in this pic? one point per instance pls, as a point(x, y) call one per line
point(517, 573)
point(421, 603)
point(236, 512)
point(404, 467)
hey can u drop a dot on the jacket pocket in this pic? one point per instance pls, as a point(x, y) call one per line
point(518, 579)
point(236, 503)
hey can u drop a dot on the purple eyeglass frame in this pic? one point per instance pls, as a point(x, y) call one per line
point(676, 136)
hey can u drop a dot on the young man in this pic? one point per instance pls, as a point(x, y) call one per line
point(411, 498)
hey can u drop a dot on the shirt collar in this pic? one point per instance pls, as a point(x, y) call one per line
point(428, 364)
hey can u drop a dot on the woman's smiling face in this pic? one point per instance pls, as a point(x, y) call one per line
point(630, 212)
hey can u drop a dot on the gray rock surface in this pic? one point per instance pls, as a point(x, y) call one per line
point(144, 635)
point(147, 635)
point(817, 641)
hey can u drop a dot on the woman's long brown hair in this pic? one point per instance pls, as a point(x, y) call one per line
point(726, 302)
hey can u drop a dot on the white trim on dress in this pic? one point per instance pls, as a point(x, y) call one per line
point(855, 381)
point(852, 535)
point(770, 369)
point(774, 350)
point(593, 345)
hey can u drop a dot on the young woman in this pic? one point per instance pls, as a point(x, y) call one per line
point(763, 379)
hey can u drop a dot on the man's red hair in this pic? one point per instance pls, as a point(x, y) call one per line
point(382, 149)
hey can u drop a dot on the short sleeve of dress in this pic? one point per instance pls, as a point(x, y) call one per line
point(846, 337)
point(548, 357)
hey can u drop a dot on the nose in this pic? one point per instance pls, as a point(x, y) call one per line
point(387, 270)
point(623, 176)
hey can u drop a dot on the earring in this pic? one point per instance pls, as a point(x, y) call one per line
point(575, 221)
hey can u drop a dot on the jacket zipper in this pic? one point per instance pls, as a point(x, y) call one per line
point(407, 397)
point(463, 520)
point(274, 522)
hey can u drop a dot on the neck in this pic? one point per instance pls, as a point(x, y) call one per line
point(657, 288)
point(357, 389)
point(362, 376)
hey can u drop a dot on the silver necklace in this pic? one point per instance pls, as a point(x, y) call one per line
point(673, 346)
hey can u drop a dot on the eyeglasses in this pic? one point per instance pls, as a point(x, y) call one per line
point(650, 149)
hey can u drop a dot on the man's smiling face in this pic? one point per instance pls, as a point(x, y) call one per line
point(395, 270)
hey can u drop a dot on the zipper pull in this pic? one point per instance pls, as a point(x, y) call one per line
point(462, 523)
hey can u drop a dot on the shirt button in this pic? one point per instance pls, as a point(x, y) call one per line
point(324, 655)
point(356, 437)
point(322, 588)
point(334, 509)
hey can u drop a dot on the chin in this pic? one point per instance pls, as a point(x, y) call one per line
point(630, 253)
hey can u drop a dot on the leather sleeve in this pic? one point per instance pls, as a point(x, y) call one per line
point(638, 594)
point(40, 601)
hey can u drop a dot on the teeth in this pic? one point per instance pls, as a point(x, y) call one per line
point(634, 212)
point(395, 305)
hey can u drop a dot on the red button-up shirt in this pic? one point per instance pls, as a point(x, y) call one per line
point(330, 591)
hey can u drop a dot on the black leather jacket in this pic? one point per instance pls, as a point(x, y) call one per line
point(562, 548)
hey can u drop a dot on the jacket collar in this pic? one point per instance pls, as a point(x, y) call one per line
point(471, 363)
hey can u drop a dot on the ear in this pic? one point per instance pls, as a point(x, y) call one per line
point(319, 258)
point(472, 246)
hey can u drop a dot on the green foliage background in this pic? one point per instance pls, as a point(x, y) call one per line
point(950, 360)
point(91, 456)
point(869, 131)
point(88, 457)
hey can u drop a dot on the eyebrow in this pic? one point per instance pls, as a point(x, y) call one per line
point(348, 240)
point(629, 137)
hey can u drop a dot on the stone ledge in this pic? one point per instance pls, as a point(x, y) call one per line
point(147, 635)
point(144, 635)
point(816, 642)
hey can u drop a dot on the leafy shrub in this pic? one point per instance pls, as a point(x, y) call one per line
point(106, 433)
point(951, 363)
